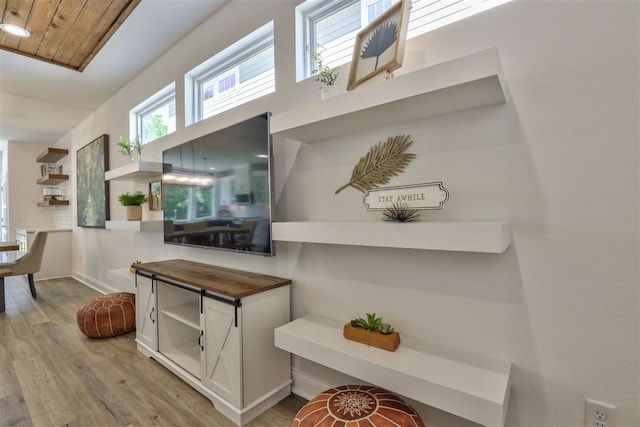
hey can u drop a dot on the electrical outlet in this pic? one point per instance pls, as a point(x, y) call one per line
point(599, 414)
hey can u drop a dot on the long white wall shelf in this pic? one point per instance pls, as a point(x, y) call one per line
point(478, 390)
point(472, 81)
point(143, 226)
point(141, 171)
point(491, 237)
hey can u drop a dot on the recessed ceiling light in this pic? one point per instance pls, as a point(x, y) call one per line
point(15, 30)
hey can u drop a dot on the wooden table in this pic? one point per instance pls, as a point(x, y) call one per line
point(9, 246)
point(5, 247)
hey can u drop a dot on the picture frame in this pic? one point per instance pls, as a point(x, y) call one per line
point(92, 189)
point(155, 196)
point(379, 47)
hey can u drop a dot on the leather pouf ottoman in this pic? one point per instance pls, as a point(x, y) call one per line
point(357, 406)
point(108, 315)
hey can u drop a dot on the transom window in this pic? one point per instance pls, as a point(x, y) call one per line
point(156, 116)
point(240, 73)
point(330, 26)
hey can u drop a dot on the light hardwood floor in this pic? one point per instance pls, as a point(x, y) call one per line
point(52, 375)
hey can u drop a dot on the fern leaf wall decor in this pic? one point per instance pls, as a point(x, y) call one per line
point(383, 161)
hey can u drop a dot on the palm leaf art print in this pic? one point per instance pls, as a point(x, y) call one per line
point(382, 39)
point(383, 161)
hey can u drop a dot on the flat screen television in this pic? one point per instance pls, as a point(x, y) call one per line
point(216, 189)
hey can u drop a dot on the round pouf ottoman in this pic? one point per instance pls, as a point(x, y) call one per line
point(357, 406)
point(108, 315)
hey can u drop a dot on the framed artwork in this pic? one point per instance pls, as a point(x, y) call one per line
point(155, 196)
point(93, 191)
point(380, 45)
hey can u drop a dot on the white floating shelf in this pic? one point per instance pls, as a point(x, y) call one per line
point(491, 237)
point(476, 390)
point(137, 171)
point(143, 226)
point(472, 81)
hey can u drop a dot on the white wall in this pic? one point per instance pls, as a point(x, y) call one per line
point(23, 192)
point(559, 160)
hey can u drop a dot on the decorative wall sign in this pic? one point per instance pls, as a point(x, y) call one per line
point(379, 46)
point(93, 190)
point(431, 196)
point(381, 163)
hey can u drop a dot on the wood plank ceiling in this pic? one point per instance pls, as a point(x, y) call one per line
point(68, 33)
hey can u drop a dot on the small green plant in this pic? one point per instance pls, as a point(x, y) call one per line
point(134, 199)
point(324, 74)
point(126, 145)
point(372, 323)
point(137, 262)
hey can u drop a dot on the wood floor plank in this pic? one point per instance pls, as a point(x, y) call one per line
point(14, 412)
point(51, 375)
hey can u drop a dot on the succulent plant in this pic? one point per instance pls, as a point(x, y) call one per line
point(372, 323)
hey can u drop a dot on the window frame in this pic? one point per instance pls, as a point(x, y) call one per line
point(222, 65)
point(306, 13)
point(160, 99)
point(309, 12)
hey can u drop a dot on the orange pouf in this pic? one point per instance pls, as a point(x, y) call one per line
point(108, 315)
point(357, 406)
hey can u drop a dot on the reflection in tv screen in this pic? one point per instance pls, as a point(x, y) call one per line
point(216, 189)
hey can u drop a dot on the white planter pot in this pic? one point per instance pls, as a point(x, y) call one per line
point(328, 91)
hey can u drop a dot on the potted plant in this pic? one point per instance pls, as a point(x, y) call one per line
point(325, 75)
point(132, 204)
point(132, 268)
point(125, 146)
point(372, 331)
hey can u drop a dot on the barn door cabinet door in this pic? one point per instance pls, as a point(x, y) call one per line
point(146, 312)
point(221, 353)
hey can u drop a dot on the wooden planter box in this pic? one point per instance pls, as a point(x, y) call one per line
point(386, 342)
point(133, 212)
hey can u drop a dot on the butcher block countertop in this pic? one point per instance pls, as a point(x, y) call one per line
point(225, 281)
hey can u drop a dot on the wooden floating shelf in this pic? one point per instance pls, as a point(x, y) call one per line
point(140, 171)
point(472, 81)
point(52, 155)
point(475, 388)
point(52, 179)
point(490, 237)
point(50, 203)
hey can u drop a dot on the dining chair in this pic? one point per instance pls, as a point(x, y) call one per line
point(30, 262)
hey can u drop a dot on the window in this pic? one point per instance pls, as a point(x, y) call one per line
point(155, 117)
point(375, 8)
point(331, 25)
point(188, 202)
point(241, 73)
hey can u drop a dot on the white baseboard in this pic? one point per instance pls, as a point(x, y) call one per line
point(96, 285)
point(307, 387)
